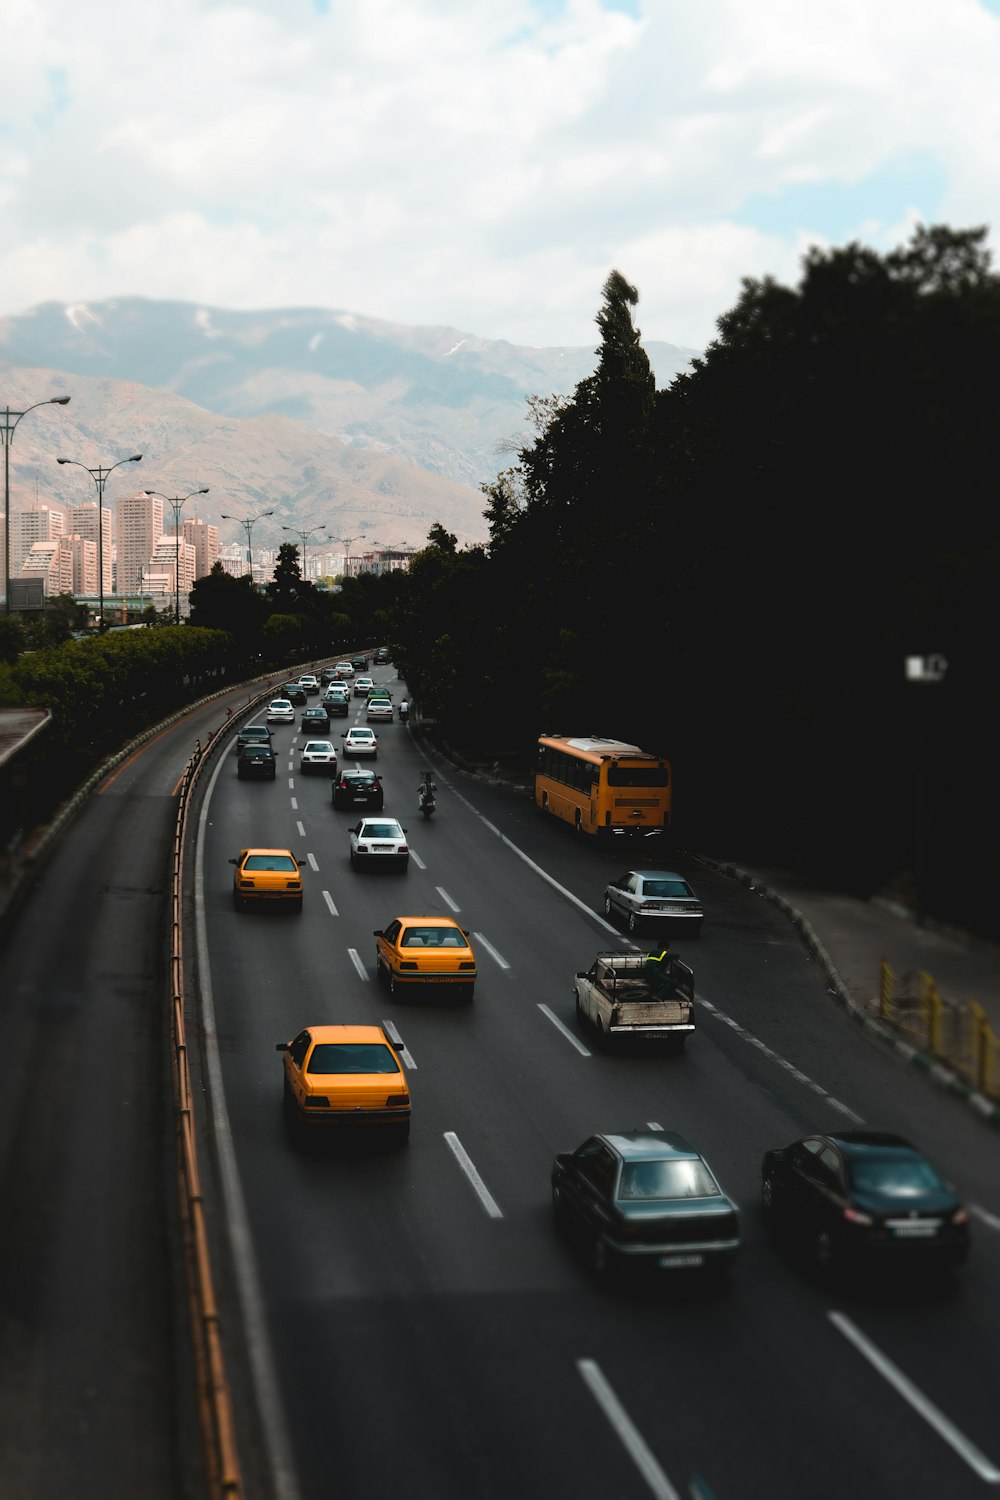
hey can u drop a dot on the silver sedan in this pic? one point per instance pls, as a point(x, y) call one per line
point(660, 897)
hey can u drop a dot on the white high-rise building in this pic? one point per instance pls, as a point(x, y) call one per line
point(140, 527)
point(53, 563)
point(39, 523)
point(169, 549)
point(205, 541)
point(83, 520)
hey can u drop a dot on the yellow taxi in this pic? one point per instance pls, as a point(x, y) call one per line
point(344, 1076)
point(269, 875)
point(415, 951)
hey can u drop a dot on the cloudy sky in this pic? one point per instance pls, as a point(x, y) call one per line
point(482, 163)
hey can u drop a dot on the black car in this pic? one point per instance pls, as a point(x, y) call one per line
point(327, 676)
point(257, 761)
point(864, 1195)
point(358, 789)
point(644, 1198)
point(382, 656)
point(316, 721)
point(294, 692)
point(359, 663)
point(338, 705)
point(252, 734)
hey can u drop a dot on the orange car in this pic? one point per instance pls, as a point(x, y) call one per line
point(270, 875)
point(414, 951)
point(345, 1075)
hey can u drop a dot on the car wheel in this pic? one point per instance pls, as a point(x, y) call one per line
point(600, 1258)
point(400, 1133)
point(578, 822)
point(297, 905)
point(767, 1194)
point(633, 922)
point(825, 1253)
point(608, 908)
point(238, 901)
point(352, 858)
point(579, 1008)
point(392, 984)
point(466, 992)
point(558, 1206)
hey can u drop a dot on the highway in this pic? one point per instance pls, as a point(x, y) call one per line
point(414, 1325)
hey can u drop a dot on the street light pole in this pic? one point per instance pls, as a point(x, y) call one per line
point(176, 501)
point(348, 542)
point(248, 526)
point(303, 538)
point(100, 475)
point(7, 427)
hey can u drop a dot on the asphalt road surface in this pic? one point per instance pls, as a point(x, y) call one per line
point(413, 1323)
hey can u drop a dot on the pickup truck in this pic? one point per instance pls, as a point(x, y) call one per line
point(621, 996)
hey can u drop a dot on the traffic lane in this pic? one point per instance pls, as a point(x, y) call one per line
point(746, 961)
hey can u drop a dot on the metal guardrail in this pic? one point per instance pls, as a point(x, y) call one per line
point(957, 1034)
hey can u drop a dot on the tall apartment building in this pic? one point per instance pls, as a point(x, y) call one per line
point(52, 562)
point(83, 553)
point(168, 550)
point(83, 520)
point(38, 523)
point(205, 541)
point(139, 529)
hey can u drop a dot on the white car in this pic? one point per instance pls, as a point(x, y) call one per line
point(344, 669)
point(281, 711)
point(319, 755)
point(359, 741)
point(309, 682)
point(379, 841)
point(379, 708)
point(363, 686)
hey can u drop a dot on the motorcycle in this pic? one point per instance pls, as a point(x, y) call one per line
point(404, 713)
point(426, 798)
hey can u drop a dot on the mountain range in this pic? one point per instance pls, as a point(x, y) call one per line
point(363, 424)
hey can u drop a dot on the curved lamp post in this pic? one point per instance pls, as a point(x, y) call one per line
point(304, 537)
point(176, 501)
point(248, 526)
point(99, 475)
point(7, 428)
point(348, 542)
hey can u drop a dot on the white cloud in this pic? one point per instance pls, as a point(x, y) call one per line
point(482, 166)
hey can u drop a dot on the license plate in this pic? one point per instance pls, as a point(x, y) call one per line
point(914, 1231)
point(669, 1262)
point(359, 799)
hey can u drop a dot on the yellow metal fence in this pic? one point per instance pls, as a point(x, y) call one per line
point(957, 1034)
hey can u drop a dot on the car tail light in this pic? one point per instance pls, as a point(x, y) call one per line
point(960, 1216)
point(246, 882)
point(317, 1101)
point(467, 963)
point(293, 885)
point(405, 965)
point(854, 1217)
point(398, 1101)
point(362, 848)
point(402, 849)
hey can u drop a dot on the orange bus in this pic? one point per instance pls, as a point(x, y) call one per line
point(602, 787)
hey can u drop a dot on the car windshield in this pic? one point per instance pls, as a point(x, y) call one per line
point(270, 862)
point(897, 1177)
point(666, 888)
point(667, 1179)
point(351, 1057)
point(381, 831)
point(432, 937)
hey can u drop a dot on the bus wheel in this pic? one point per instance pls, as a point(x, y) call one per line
point(579, 821)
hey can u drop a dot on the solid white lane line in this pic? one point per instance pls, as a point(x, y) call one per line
point(446, 898)
point(466, 1163)
point(564, 1029)
point(355, 958)
point(276, 1441)
point(417, 860)
point(925, 1408)
point(496, 957)
point(632, 1439)
point(783, 1062)
point(295, 804)
point(985, 1215)
point(329, 901)
point(389, 1027)
point(312, 863)
point(302, 831)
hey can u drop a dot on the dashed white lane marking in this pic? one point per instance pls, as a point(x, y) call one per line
point(295, 804)
point(634, 1443)
point(985, 1215)
point(776, 1057)
point(312, 863)
point(417, 860)
point(302, 831)
point(446, 898)
point(550, 1015)
point(925, 1408)
point(465, 1161)
point(291, 780)
point(329, 901)
point(389, 1027)
point(496, 957)
point(355, 958)
point(652, 1125)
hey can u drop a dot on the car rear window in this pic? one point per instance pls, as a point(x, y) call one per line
point(270, 862)
point(907, 1177)
point(676, 888)
point(432, 937)
point(254, 751)
point(381, 831)
point(667, 1179)
point(351, 1057)
point(322, 746)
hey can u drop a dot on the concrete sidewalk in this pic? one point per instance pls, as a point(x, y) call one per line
point(850, 938)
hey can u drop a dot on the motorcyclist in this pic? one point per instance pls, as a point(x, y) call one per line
point(404, 710)
point(426, 791)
